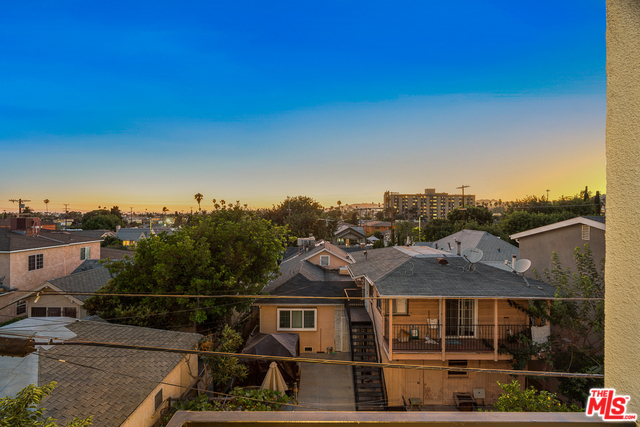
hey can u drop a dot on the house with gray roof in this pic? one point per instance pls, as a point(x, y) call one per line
point(30, 255)
point(315, 281)
point(118, 387)
point(563, 238)
point(433, 307)
point(55, 298)
point(349, 235)
point(131, 236)
point(495, 251)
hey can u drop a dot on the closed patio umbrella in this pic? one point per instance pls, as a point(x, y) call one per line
point(273, 380)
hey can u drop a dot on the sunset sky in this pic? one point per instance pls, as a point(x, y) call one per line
point(144, 104)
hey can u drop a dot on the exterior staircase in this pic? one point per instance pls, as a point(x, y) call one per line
point(368, 382)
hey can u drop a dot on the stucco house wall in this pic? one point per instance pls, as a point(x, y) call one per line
point(539, 248)
point(184, 374)
point(318, 340)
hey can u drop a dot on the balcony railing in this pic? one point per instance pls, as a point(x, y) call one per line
point(462, 338)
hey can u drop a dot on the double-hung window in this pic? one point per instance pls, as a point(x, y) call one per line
point(36, 262)
point(290, 319)
point(85, 253)
point(324, 260)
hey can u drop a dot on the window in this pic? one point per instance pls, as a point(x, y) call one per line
point(36, 262)
point(21, 308)
point(54, 312)
point(586, 232)
point(38, 311)
point(400, 306)
point(293, 320)
point(158, 399)
point(85, 253)
point(460, 316)
point(324, 260)
point(457, 364)
point(69, 312)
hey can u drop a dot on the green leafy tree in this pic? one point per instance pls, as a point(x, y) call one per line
point(229, 251)
point(22, 410)
point(378, 244)
point(352, 217)
point(301, 214)
point(479, 214)
point(112, 242)
point(220, 370)
point(103, 222)
point(578, 347)
point(514, 399)
point(380, 216)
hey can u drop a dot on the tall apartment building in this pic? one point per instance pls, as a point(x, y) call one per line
point(430, 205)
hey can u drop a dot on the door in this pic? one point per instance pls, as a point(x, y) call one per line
point(460, 317)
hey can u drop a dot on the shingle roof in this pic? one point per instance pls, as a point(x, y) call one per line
point(95, 234)
point(134, 234)
point(11, 241)
point(492, 247)
point(85, 281)
point(397, 274)
point(114, 254)
point(593, 221)
point(349, 228)
point(120, 379)
point(330, 284)
point(88, 264)
point(298, 266)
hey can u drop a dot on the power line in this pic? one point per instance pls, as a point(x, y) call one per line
point(324, 361)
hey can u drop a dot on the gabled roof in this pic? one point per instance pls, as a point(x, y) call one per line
point(350, 228)
point(84, 281)
point(493, 248)
point(413, 272)
point(135, 234)
point(12, 242)
point(95, 234)
point(327, 247)
point(592, 221)
point(123, 379)
point(88, 264)
point(299, 266)
point(377, 224)
point(307, 280)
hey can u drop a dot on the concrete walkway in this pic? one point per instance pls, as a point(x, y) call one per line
point(326, 387)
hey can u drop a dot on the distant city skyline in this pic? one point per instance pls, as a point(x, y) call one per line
point(256, 102)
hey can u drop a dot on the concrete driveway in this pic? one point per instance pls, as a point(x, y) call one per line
point(325, 387)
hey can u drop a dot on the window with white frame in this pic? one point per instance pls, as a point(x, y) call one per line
point(85, 253)
point(586, 232)
point(460, 317)
point(400, 306)
point(324, 260)
point(36, 262)
point(290, 319)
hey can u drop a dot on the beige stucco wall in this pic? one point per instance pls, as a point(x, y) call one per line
point(58, 261)
point(183, 374)
point(334, 261)
point(435, 388)
point(622, 275)
point(55, 301)
point(320, 339)
point(539, 248)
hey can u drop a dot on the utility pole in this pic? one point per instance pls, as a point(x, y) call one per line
point(462, 208)
point(547, 196)
point(20, 203)
point(130, 215)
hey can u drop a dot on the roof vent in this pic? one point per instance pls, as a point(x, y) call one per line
point(442, 261)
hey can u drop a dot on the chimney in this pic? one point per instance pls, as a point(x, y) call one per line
point(513, 262)
point(458, 247)
point(117, 228)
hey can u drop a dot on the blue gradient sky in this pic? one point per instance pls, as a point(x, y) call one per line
point(146, 104)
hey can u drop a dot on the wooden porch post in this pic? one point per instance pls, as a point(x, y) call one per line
point(495, 330)
point(443, 339)
point(389, 306)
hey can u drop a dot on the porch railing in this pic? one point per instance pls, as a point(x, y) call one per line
point(420, 337)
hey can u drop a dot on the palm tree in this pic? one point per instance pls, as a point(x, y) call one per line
point(198, 198)
point(46, 202)
point(165, 210)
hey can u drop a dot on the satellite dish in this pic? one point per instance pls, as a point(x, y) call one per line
point(472, 255)
point(522, 265)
